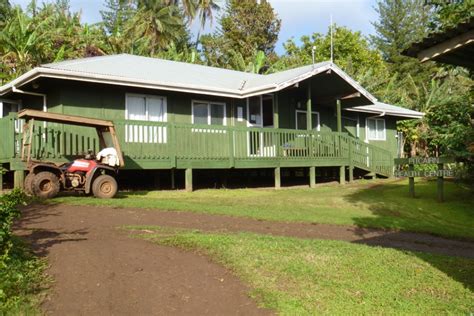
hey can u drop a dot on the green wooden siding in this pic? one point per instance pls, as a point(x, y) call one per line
point(192, 146)
point(160, 145)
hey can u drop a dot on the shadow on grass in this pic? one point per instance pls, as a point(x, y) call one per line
point(393, 209)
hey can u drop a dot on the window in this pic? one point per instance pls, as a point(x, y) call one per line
point(208, 113)
point(145, 108)
point(376, 129)
point(301, 120)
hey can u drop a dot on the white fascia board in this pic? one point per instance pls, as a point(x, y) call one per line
point(391, 113)
point(123, 81)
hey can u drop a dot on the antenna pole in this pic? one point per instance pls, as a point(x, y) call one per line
point(332, 45)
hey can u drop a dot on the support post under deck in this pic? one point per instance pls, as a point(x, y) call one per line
point(342, 175)
point(173, 185)
point(189, 179)
point(1, 178)
point(312, 177)
point(18, 179)
point(351, 173)
point(277, 178)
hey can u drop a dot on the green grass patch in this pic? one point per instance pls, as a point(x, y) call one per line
point(307, 277)
point(384, 206)
point(21, 282)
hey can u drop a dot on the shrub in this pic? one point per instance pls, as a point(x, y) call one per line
point(8, 212)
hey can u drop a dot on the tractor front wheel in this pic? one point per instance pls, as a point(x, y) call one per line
point(29, 183)
point(104, 187)
point(45, 185)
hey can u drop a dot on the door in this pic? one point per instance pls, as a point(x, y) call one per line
point(260, 114)
point(254, 119)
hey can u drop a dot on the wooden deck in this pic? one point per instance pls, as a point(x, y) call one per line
point(156, 145)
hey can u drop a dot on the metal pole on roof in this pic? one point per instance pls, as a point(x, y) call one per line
point(312, 53)
point(332, 45)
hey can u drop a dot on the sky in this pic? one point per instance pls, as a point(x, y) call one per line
point(299, 17)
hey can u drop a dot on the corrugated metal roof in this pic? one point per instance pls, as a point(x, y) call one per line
point(386, 109)
point(156, 73)
point(131, 70)
point(156, 70)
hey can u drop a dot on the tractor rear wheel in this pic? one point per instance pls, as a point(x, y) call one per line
point(104, 187)
point(45, 185)
point(29, 183)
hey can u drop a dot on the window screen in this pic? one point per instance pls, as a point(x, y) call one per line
point(207, 113)
point(136, 108)
point(217, 114)
point(200, 113)
point(376, 129)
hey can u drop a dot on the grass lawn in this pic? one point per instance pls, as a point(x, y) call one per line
point(386, 205)
point(302, 277)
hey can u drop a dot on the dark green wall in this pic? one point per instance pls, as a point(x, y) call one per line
point(108, 102)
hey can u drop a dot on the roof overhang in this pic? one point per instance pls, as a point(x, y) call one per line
point(453, 46)
point(383, 112)
point(45, 72)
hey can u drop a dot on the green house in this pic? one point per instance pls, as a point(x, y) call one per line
point(172, 115)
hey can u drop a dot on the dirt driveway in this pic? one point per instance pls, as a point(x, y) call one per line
point(100, 270)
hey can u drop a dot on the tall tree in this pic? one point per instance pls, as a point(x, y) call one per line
point(450, 13)
point(400, 23)
point(5, 9)
point(204, 9)
point(116, 15)
point(246, 28)
point(352, 52)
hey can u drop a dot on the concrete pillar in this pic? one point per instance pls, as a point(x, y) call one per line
point(277, 178)
point(342, 175)
point(351, 174)
point(312, 177)
point(189, 179)
point(19, 179)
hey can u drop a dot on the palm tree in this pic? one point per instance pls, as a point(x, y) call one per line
point(192, 8)
point(21, 42)
point(155, 26)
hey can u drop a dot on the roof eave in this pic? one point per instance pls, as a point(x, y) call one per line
point(385, 113)
point(240, 94)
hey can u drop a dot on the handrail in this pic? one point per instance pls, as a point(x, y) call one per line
point(172, 142)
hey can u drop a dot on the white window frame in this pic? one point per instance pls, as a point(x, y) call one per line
point(376, 129)
point(150, 96)
point(209, 110)
point(318, 127)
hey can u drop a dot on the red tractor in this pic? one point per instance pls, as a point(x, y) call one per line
point(92, 174)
